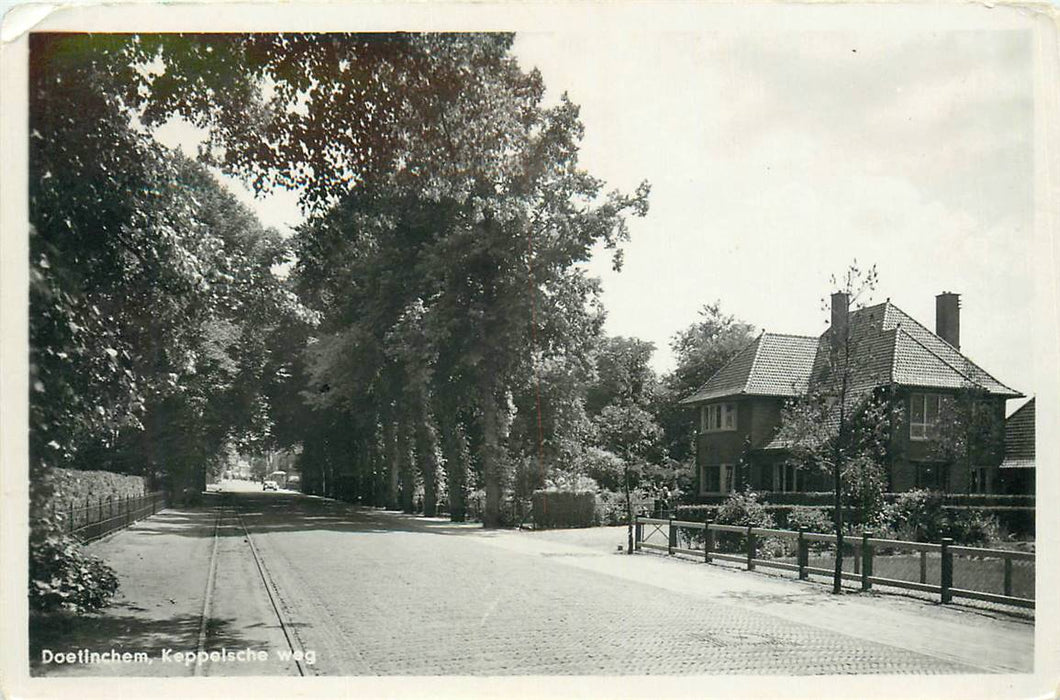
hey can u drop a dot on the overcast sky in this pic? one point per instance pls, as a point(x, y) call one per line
point(776, 159)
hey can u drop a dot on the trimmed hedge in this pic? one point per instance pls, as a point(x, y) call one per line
point(72, 485)
point(558, 509)
point(824, 499)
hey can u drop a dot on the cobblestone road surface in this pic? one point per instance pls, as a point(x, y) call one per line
point(378, 594)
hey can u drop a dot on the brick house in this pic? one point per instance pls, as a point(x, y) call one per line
point(922, 374)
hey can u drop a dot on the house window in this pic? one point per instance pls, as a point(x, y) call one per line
point(717, 479)
point(717, 417)
point(979, 480)
point(924, 416)
point(786, 478)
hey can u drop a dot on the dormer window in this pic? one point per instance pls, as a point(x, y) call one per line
point(717, 417)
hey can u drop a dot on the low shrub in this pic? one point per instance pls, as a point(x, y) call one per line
point(63, 577)
point(698, 513)
point(971, 527)
point(813, 519)
point(741, 508)
point(744, 508)
point(922, 516)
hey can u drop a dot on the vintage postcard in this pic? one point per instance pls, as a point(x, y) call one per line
point(537, 349)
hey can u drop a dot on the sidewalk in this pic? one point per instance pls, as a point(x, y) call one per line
point(163, 564)
point(990, 641)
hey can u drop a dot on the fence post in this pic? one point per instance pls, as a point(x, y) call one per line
point(673, 537)
point(708, 541)
point(750, 548)
point(866, 561)
point(803, 554)
point(923, 566)
point(947, 570)
point(638, 533)
point(1008, 576)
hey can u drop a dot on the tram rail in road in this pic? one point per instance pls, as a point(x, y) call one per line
point(228, 516)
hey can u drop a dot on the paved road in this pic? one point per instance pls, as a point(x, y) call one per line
point(365, 592)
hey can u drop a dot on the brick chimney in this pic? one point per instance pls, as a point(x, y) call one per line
point(948, 318)
point(840, 320)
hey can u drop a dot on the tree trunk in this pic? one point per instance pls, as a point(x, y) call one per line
point(390, 447)
point(837, 475)
point(406, 475)
point(492, 452)
point(837, 501)
point(427, 454)
point(455, 452)
point(629, 513)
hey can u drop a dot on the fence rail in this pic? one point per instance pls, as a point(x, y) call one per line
point(951, 571)
point(91, 519)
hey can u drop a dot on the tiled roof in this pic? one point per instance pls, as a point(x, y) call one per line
point(929, 361)
point(891, 347)
point(894, 348)
point(771, 365)
point(1019, 438)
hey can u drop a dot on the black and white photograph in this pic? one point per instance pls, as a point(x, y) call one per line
point(555, 350)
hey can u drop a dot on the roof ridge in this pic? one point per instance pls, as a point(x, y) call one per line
point(790, 335)
point(754, 363)
point(894, 350)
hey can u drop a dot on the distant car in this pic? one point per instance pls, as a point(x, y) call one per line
point(270, 485)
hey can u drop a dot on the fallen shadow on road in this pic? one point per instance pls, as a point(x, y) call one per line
point(68, 632)
point(271, 512)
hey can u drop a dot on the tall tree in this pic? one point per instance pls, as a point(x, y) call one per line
point(700, 350)
point(507, 215)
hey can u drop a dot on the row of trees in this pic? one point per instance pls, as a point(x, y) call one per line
point(436, 334)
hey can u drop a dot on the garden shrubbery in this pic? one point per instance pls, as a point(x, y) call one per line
point(742, 508)
point(63, 577)
point(917, 516)
point(554, 508)
point(921, 516)
point(813, 519)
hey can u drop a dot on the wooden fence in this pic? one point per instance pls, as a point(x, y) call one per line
point(991, 575)
point(93, 518)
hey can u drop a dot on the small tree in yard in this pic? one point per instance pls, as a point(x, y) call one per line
point(970, 430)
point(631, 431)
point(841, 425)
